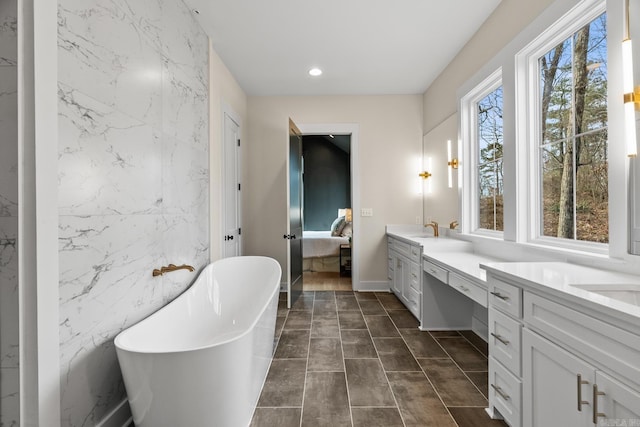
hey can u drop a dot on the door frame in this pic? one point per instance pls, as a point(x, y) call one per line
point(228, 111)
point(352, 129)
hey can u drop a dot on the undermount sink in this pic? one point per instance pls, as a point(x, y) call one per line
point(628, 293)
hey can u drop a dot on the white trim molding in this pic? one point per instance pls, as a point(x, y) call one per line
point(352, 129)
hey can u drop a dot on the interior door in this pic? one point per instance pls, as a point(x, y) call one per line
point(231, 230)
point(294, 232)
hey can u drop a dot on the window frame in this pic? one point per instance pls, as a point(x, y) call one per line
point(469, 184)
point(528, 123)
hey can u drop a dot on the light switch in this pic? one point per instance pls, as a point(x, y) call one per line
point(366, 212)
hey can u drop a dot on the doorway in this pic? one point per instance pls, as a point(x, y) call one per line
point(231, 227)
point(327, 226)
point(351, 130)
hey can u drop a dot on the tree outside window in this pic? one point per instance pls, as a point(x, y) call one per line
point(573, 136)
point(490, 177)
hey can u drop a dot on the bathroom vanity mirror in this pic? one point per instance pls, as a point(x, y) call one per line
point(634, 164)
point(440, 202)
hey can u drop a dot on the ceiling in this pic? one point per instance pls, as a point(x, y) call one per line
point(364, 47)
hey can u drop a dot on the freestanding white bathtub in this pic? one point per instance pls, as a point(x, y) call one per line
point(202, 359)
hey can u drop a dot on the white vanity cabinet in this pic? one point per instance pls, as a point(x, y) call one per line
point(405, 273)
point(570, 366)
point(505, 349)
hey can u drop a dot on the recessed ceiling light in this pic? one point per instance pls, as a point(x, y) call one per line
point(315, 72)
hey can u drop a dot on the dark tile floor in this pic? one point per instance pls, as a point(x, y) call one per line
point(358, 359)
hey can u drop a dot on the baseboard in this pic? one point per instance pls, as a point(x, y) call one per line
point(119, 417)
point(371, 286)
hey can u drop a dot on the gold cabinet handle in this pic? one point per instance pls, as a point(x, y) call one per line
point(596, 414)
point(499, 295)
point(500, 392)
point(499, 338)
point(581, 402)
point(464, 288)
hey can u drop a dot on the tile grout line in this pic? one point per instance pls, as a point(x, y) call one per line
point(306, 368)
point(435, 390)
point(404, 423)
point(344, 365)
point(462, 370)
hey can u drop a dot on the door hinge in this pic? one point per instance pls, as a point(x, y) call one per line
point(239, 231)
point(238, 186)
point(238, 143)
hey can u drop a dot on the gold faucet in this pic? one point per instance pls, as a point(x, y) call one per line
point(169, 268)
point(433, 225)
point(453, 224)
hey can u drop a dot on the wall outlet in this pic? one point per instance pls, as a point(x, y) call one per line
point(418, 220)
point(366, 212)
point(428, 220)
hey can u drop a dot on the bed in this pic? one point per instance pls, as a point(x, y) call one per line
point(321, 251)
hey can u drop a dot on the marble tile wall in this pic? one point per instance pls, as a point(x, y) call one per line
point(9, 363)
point(133, 180)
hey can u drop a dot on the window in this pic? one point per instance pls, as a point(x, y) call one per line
point(489, 171)
point(572, 136)
point(482, 144)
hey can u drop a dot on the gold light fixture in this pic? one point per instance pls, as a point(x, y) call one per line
point(425, 174)
point(631, 95)
point(452, 163)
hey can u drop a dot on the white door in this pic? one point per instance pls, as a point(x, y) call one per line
point(556, 385)
point(231, 226)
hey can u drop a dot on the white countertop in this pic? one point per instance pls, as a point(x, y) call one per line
point(453, 254)
point(557, 278)
point(552, 278)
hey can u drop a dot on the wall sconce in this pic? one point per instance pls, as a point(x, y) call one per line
point(451, 164)
point(631, 93)
point(425, 174)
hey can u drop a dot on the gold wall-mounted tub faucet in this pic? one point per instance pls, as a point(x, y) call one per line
point(170, 268)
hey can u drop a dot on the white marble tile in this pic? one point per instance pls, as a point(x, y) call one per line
point(184, 43)
point(105, 273)
point(91, 384)
point(185, 177)
point(185, 241)
point(133, 181)
point(109, 163)
point(8, 33)
point(107, 52)
point(9, 336)
point(9, 135)
point(184, 106)
point(10, 397)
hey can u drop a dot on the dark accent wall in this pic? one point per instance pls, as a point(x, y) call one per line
point(327, 181)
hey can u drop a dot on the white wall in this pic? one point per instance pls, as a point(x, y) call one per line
point(390, 139)
point(224, 92)
point(506, 21)
point(133, 181)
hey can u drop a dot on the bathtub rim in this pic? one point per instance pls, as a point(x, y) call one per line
point(117, 340)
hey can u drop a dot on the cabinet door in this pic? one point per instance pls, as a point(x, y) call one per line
point(618, 405)
point(552, 394)
point(398, 274)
